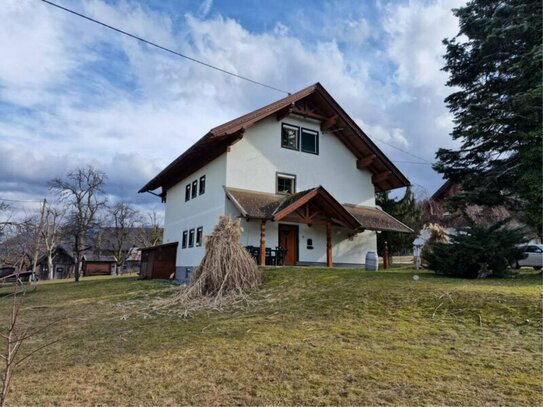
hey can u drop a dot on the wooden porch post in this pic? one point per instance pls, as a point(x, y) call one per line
point(263, 243)
point(329, 260)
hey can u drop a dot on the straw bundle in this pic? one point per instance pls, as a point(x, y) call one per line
point(225, 274)
point(226, 267)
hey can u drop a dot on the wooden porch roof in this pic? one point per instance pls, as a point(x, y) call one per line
point(312, 102)
point(267, 206)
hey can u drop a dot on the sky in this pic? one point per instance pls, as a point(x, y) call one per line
point(73, 93)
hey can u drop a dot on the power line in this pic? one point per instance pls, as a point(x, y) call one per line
point(200, 62)
point(403, 151)
point(164, 48)
point(411, 162)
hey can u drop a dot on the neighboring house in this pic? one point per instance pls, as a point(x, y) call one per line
point(301, 174)
point(63, 265)
point(97, 265)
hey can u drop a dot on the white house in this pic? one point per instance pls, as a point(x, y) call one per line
point(301, 174)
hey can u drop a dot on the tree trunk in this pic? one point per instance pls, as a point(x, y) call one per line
point(50, 267)
point(77, 248)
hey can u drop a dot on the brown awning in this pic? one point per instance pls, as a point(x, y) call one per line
point(263, 205)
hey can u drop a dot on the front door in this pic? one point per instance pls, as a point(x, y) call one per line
point(288, 239)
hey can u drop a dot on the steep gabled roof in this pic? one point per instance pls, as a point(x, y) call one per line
point(312, 102)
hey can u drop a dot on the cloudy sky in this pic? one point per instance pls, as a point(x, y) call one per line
point(75, 93)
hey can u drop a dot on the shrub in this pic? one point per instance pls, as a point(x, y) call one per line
point(476, 252)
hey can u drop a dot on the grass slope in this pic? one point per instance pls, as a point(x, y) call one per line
point(315, 337)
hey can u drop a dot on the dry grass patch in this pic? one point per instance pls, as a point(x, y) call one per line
point(312, 337)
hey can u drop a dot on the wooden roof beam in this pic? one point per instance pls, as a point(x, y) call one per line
point(308, 114)
point(329, 123)
point(365, 162)
point(380, 176)
point(281, 114)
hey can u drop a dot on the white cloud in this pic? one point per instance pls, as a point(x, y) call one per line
point(144, 107)
point(416, 31)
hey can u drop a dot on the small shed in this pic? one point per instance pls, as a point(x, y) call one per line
point(158, 261)
point(96, 265)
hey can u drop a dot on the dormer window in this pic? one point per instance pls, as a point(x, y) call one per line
point(290, 136)
point(286, 183)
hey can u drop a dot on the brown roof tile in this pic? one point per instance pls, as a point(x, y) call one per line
point(376, 219)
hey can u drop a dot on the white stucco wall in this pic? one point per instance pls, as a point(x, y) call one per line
point(204, 210)
point(254, 161)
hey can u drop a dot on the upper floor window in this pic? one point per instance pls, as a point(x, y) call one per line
point(191, 238)
point(184, 240)
point(194, 193)
point(199, 236)
point(286, 183)
point(202, 184)
point(195, 188)
point(290, 136)
point(310, 141)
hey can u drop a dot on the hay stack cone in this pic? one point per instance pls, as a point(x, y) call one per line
point(227, 268)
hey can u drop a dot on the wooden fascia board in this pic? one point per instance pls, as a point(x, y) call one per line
point(236, 203)
point(365, 162)
point(380, 176)
point(295, 205)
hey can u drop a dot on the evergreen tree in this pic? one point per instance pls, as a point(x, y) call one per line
point(407, 212)
point(495, 62)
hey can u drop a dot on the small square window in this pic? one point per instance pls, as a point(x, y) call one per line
point(202, 185)
point(184, 241)
point(310, 141)
point(191, 238)
point(187, 193)
point(289, 136)
point(286, 184)
point(194, 189)
point(199, 235)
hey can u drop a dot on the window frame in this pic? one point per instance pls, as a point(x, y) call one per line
point(202, 185)
point(313, 132)
point(297, 128)
point(199, 236)
point(187, 192)
point(285, 175)
point(191, 237)
point(184, 239)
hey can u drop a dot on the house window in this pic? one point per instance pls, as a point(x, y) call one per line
point(286, 183)
point(310, 141)
point(191, 238)
point(199, 235)
point(187, 193)
point(202, 184)
point(290, 136)
point(194, 189)
point(184, 240)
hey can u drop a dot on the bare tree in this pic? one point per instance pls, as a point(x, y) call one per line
point(124, 220)
point(52, 233)
point(152, 232)
point(83, 190)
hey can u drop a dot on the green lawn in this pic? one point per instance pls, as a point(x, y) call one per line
point(313, 337)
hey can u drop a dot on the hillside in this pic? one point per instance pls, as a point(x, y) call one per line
point(313, 336)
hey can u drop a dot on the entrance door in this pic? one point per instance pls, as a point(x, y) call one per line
point(288, 238)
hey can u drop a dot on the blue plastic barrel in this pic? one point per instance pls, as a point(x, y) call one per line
point(372, 262)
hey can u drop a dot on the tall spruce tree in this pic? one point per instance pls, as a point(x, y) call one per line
point(495, 67)
point(406, 211)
